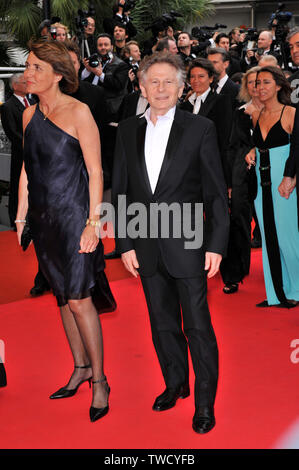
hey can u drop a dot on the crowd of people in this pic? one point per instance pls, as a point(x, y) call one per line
point(237, 109)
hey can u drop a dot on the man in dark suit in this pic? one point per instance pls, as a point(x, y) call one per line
point(220, 59)
point(168, 156)
point(291, 171)
point(11, 117)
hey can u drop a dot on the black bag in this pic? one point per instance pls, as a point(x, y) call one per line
point(26, 237)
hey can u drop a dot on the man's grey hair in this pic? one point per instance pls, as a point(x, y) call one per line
point(292, 32)
point(269, 59)
point(15, 78)
point(163, 58)
point(219, 50)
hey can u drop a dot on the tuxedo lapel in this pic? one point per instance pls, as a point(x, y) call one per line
point(175, 136)
point(18, 104)
point(140, 141)
point(207, 105)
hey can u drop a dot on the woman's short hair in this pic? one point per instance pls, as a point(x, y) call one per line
point(243, 95)
point(203, 64)
point(163, 58)
point(56, 54)
point(284, 94)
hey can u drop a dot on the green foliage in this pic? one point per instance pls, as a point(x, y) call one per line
point(21, 18)
point(192, 11)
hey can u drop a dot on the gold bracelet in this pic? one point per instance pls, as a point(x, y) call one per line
point(93, 223)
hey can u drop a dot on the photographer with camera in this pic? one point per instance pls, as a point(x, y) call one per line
point(264, 47)
point(121, 14)
point(88, 43)
point(108, 71)
point(131, 55)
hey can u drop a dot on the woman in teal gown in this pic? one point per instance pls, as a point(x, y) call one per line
point(277, 216)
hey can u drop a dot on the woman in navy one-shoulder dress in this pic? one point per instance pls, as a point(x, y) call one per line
point(61, 183)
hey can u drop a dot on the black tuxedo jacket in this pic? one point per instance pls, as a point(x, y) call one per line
point(231, 89)
point(218, 109)
point(191, 173)
point(93, 96)
point(129, 104)
point(11, 117)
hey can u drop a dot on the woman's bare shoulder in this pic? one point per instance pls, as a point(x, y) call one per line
point(28, 114)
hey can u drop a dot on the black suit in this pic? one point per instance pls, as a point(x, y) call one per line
point(217, 108)
point(173, 276)
point(129, 105)
point(231, 89)
point(11, 117)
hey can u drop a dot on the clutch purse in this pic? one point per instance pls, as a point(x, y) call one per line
point(26, 237)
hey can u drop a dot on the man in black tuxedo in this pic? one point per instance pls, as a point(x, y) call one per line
point(220, 58)
point(11, 117)
point(162, 157)
point(291, 171)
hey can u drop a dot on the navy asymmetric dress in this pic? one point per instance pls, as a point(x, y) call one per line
point(58, 209)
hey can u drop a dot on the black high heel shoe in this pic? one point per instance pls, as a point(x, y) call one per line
point(97, 413)
point(231, 288)
point(65, 393)
point(3, 381)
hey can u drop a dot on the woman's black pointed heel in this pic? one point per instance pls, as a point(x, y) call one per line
point(97, 413)
point(65, 393)
point(3, 381)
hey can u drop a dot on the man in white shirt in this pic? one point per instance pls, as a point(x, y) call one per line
point(163, 157)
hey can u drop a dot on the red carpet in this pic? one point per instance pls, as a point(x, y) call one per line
point(257, 400)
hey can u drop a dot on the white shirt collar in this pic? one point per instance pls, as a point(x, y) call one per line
point(222, 81)
point(169, 115)
point(193, 97)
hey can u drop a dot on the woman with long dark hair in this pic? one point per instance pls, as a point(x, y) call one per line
point(277, 216)
point(61, 182)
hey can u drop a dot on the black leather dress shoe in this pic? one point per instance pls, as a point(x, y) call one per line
point(203, 419)
point(112, 255)
point(36, 291)
point(168, 398)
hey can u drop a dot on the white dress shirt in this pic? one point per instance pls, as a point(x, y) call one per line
point(156, 139)
point(221, 83)
point(197, 100)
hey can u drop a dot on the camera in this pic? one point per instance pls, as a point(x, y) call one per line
point(162, 22)
point(128, 5)
point(202, 33)
point(94, 60)
point(133, 67)
point(81, 20)
point(53, 32)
